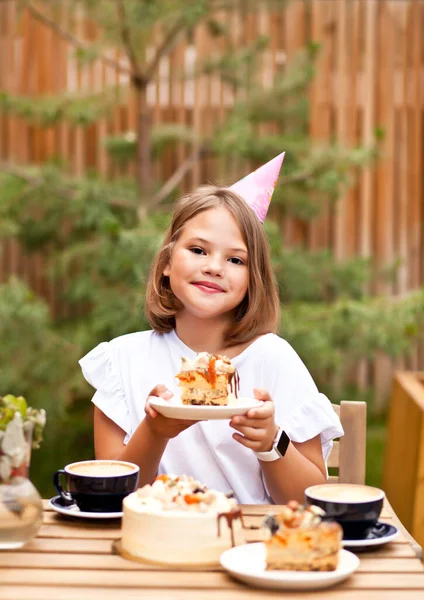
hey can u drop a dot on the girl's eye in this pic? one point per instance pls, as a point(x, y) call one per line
point(197, 250)
point(236, 261)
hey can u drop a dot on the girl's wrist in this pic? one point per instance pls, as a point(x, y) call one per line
point(155, 436)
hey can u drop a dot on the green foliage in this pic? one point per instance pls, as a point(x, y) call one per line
point(334, 336)
point(376, 442)
point(123, 148)
point(31, 348)
point(50, 110)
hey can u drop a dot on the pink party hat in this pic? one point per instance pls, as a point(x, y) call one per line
point(257, 187)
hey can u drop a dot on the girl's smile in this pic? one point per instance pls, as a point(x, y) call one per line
point(208, 269)
point(208, 287)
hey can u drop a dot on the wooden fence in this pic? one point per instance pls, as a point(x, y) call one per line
point(403, 477)
point(370, 74)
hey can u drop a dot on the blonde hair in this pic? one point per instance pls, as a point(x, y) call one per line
point(258, 313)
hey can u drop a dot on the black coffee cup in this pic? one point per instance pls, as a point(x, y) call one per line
point(97, 485)
point(356, 507)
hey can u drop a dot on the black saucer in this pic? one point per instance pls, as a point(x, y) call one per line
point(382, 533)
point(71, 510)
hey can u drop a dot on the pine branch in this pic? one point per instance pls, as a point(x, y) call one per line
point(296, 177)
point(37, 182)
point(164, 47)
point(177, 176)
point(33, 181)
point(379, 303)
point(11, 169)
point(126, 40)
point(66, 35)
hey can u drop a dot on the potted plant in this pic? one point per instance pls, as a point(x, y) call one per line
point(21, 510)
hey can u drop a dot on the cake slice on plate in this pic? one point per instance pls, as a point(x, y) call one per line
point(208, 380)
point(301, 540)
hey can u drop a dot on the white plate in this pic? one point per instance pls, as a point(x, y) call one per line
point(173, 409)
point(381, 534)
point(247, 563)
point(56, 503)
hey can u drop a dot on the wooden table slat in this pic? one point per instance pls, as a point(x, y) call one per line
point(25, 592)
point(51, 518)
point(181, 579)
point(369, 564)
point(248, 509)
point(103, 546)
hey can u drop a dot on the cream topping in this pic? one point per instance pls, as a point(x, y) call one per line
point(294, 515)
point(202, 360)
point(170, 494)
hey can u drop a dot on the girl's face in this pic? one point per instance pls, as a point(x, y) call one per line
point(208, 270)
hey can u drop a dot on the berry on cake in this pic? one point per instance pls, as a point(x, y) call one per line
point(208, 380)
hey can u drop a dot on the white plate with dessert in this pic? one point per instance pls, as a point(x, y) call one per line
point(174, 409)
point(303, 551)
point(248, 564)
point(208, 387)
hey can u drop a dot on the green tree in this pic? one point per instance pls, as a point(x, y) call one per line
point(101, 234)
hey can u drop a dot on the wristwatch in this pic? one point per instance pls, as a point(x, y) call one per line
point(279, 447)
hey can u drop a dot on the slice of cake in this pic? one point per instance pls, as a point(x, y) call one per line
point(177, 520)
point(301, 540)
point(208, 380)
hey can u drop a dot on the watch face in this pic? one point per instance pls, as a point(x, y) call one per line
point(283, 444)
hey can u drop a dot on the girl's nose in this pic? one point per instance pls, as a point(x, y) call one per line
point(214, 267)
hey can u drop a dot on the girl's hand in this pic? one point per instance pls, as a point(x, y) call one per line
point(257, 429)
point(157, 423)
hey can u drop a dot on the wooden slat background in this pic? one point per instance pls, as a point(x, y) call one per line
point(370, 74)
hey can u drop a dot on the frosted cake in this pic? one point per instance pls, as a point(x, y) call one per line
point(301, 540)
point(177, 520)
point(208, 380)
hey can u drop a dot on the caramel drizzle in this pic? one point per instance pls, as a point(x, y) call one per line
point(230, 517)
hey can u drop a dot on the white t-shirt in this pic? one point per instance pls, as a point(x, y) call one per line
point(126, 369)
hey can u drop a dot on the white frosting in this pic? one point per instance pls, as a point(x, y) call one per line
point(160, 525)
point(201, 362)
point(183, 494)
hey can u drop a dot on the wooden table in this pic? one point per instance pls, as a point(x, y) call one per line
point(72, 559)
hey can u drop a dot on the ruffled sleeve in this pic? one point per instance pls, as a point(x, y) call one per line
point(100, 370)
point(300, 409)
point(312, 417)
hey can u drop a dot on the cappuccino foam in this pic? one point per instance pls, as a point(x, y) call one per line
point(340, 492)
point(101, 469)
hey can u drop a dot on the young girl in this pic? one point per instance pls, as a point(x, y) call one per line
point(212, 289)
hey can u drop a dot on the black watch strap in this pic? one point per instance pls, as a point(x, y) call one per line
point(283, 443)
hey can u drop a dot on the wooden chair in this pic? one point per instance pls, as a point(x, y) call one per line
point(348, 454)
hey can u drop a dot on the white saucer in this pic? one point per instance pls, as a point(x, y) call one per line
point(173, 409)
point(57, 504)
point(247, 563)
point(382, 533)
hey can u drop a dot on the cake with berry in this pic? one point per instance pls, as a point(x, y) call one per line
point(179, 521)
point(301, 540)
point(208, 380)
